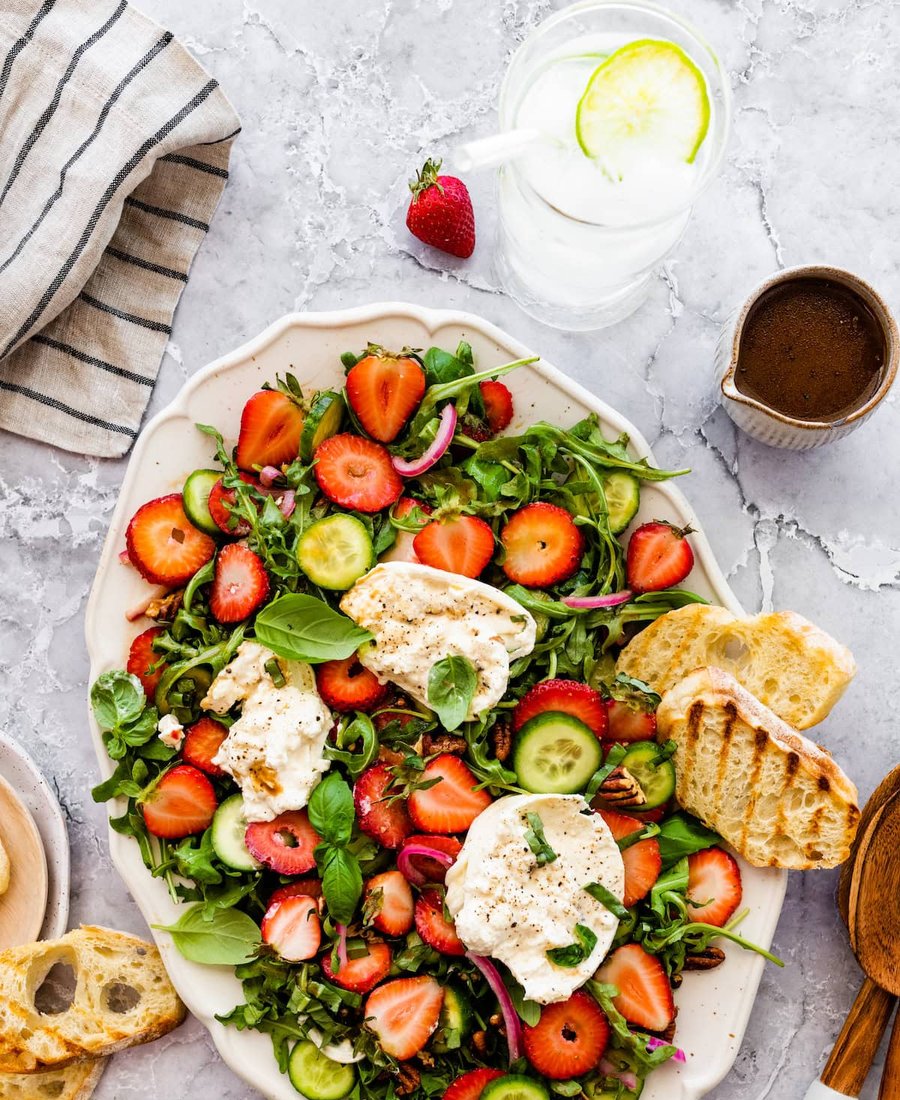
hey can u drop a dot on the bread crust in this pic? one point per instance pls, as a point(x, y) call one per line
point(73, 1082)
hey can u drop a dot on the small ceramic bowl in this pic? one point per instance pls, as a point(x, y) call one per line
point(775, 428)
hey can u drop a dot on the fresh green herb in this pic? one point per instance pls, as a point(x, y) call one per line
point(631, 1041)
point(225, 937)
point(274, 670)
point(331, 811)
point(651, 829)
point(537, 842)
point(358, 731)
point(332, 815)
point(120, 709)
point(303, 628)
point(574, 953)
point(666, 752)
point(607, 898)
point(452, 682)
point(614, 758)
point(529, 1012)
point(681, 835)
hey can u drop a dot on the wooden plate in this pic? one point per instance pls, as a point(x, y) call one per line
point(23, 905)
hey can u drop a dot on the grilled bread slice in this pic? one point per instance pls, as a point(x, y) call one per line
point(790, 665)
point(777, 798)
point(75, 1082)
point(122, 997)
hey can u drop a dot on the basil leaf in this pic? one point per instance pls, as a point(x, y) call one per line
point(606, 897)
point(451, 688)
point(227, 938)
point(574, 953)
point(441, 366)
point(331, 811)
point(537, 842)
point(341, 882)
point(651, 829)
point(117, 699)
point(681, 835)
point(529, 1012)
point(303, 628)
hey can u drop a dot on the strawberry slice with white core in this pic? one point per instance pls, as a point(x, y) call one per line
point(271, 425)
point(403, 1014)
point(293, 928)
point(388, 903)
point(286, 844)
point(240, 584)
point(451, 805)
point(362, 973)
point(163, 545)
point(714, 887)
point(182, 803)
point(645, 995)
point(434, 927)
point(380, 814)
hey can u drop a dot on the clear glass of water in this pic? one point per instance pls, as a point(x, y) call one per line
point(578, 245)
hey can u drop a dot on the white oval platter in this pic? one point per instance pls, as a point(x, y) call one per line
point(713, 1007)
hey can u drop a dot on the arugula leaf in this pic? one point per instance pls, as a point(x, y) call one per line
point(196, 860)
point(681, 835)
point(606, 897)
point(537, 842)
point(575, 953)
point(359, 729)
point(451, 687)
point(604, 994)
point(303, 628)
point(341, 881)
point(227, 937)
point(331, 811)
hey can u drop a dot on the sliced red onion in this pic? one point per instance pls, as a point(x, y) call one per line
point(124, 558)
point(406, 867)
point(628, 1079)
point(511, 1020)
point(440, 444)
point(612, 600)
point(341, 930)
point(654, 1044)
point(268, 474)
point(287, 503)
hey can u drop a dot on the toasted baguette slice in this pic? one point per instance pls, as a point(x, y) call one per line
point(122, 997)
point(780, 800)
point(5, 869)
point(75, 1082)
point(790, 665)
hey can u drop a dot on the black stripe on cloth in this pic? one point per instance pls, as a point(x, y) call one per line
point(88, 141)
point(127, 258)
point(201, 166)
point(155, 326)
point(122, 175)
point(50, 110)
point(11, 387)
point(172, 215)
point(22, 42)
point(76, 353)
point(218, 141)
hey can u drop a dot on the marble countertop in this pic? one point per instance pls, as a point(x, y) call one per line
point(340, 102)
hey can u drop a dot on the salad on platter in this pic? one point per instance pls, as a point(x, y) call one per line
point(375, 744)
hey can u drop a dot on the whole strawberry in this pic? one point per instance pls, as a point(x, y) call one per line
point(440, 213)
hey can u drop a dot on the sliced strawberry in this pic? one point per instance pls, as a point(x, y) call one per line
point(432, 870)
point(434, 927)
point(361, 974)
point(403, 549)
point(451, 805)
point(271, 425)
point(292, 926)
point(462, 544)
point(569, 1039)
point(542, 544)
point(202, 741)
point(388, 903)
point(182, 803)
point(655, 816)
point(629, 723)
point(642, 860)
point(568, 696)
point(471, 1085)
point(357, 473)
point(498, 405)
point(163, 545)
point(645, 996)
point(286, 844)
point(403, 1014)
point(386, 714)
point(346, 685)
point(714, 886)
point(240, 584)
point(142, 658)
point(474, 427)
point(303, 887)
point(219, 502)
point(658, 556)
point(384, 391)
point(379, 814)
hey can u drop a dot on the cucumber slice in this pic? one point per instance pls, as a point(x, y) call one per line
point(648, 99)
point(556, 754)
point(322, 421)
point(335, 552)
point(195, 495)
point(657, 780)
point(316, 1076)
point(228, 828)
point(455, 1021)
point(623, 498)
point(514, 1086)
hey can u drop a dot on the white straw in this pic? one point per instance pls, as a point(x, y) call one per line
point(490, 151)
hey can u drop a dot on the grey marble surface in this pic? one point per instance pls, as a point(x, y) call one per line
point(340, 101)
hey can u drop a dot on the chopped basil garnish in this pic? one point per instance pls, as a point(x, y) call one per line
point(649, 830)
point(271, 666)
point(537, 842)
point(599, 893)
point(577, 952)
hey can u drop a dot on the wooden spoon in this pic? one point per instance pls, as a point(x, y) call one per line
point(23, 905)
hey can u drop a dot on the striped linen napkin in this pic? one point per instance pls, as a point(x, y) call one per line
point(114, 147)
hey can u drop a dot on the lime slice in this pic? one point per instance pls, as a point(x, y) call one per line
point(647, 98)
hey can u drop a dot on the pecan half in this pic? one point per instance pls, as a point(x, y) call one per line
point(620, 788)
point(501, 739)
point(668, 1034)
point(166, 607)
point(389, 756)
point(433, 743)
point(707, 959)
point(479, 1041)
point(408, 1079)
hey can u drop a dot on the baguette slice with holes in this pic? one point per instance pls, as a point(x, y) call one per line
point(75, 1082)
point(123, 997)
point(790, 665)
point(777, 798)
